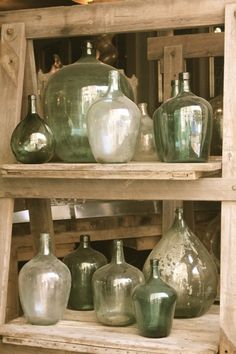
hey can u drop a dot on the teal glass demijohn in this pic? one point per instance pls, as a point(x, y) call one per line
point(154, 304)
point(68, 95)
point(82, 264)
point(183, 126)
point(32, 140)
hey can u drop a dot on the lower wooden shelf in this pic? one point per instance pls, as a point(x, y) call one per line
point(80, 332)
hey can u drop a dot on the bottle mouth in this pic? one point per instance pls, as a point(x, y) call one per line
point(154, 262)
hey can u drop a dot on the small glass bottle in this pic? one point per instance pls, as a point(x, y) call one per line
point(145, 149)
point(186, 265)
point(82, 264)
point(183, 126)
point(112, 287)
point(32, 140)
point(154, 304)
point(44, 286)
point(113, 124)
point(217, 134)
point(174, 87)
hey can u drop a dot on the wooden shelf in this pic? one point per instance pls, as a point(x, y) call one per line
point(80, 332)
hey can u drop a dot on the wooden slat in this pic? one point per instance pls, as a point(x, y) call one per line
point(12, 61)
point(194, 45)
point(12, 349)
point(120, 16)
point(228, 224)
point(195, 336)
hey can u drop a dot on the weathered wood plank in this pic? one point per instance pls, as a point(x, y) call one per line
point(12, 349)
point(228, 223)
point(194, 45)
point(120, 16)
point(195, 336)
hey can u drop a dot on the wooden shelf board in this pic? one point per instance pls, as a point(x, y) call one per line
point(133, 170)
point(80, 332)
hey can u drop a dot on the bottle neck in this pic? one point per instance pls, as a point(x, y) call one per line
point(32, 104)
point(45, 247)
point(88, 52)
point(174, 88)
point(84, 241)
point(179, 220)
point(154, 264)
point(118, 252)
point(114, 82)
point(143, 109)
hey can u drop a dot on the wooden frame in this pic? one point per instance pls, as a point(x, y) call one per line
point(123, 16)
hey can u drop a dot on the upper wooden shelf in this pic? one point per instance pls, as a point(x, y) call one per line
point(80, 332)
point(133, 170)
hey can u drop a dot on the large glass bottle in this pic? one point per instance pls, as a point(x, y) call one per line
point(113, 124)
point(68, 95)
point(32, 140)
point(145, 149)
point(112, 286)
point(183, 126)
point(44, 286)
point(186, 265)
point(82, 264)
point(154, 304)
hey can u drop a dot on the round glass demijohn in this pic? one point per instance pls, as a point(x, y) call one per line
point(186, 265)
point(113, 124)
point(112, 288)
point(68, 95)
point(44, 286)
point(32, 140)
point(154, 304)
point(82, 264)
point(183, 126)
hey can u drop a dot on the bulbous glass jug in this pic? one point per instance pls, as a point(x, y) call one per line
point(112, 287)
point(82, 264)
point(186, 265)
point(68, 95)
point(44, 286)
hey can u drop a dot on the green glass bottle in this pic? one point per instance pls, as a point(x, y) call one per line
point(112, 287)
point(82, 264)
point(32, 140)
point(68, 95)
point(185, 265)
point(154, 304)
point(183, 126)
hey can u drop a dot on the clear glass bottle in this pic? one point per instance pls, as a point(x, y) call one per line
point(186, 265)
point(32, 140)
point(154, 304)
point(217, 134)
point(112, 287)
point(145, 149)
point(113, 124)
point(68, 95)
point(44, 286)
point(183, 126)
point(82, 264)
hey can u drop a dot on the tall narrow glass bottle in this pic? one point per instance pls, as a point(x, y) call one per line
point(154, 304)
point(82, 264)
point(112, 286)
point(113, 124)
point(145, 149)
point(32, 140)
point(183, 126)
point(44, 286)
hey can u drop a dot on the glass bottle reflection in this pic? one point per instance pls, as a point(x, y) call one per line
point(44, 286)
point(32, 140)
point(186, 265)
point(154, 304)
point(82, 264)
point(112, 286)
point(183, 126)
point(113, 124)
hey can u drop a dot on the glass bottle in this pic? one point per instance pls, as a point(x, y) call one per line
point(112, 286)
point(82, 264)
point(174, 87)
point(68, 95)
point(154, 304)
point(145, 149)
point(32, 140)
point(44, 286)
point(113, 124)
point(217, 134)
point(183, 126)
point(186, 265)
